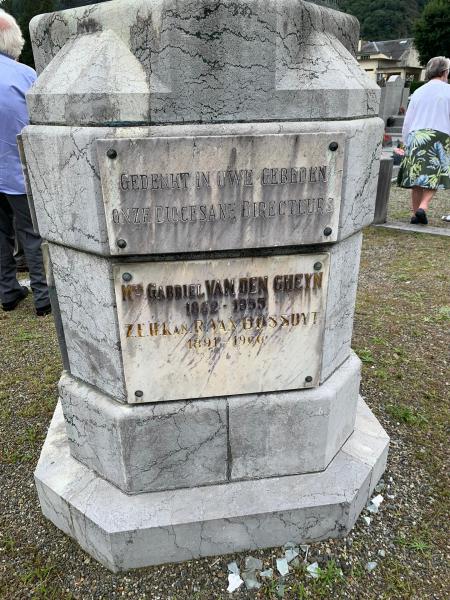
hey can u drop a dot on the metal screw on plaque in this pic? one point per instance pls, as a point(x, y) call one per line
point(111, 153)
point(127, 276)
point(138, 393)
point(308, 379)
point(317, 266)
point(121, 243)
point(333, 146)
point(327, 231)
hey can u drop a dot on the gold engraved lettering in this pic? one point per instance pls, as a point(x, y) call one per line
point(273, 322)
point(308, 277)
point(318, 280)
point(127, 293)
point(260, 322)
point(129, 327)
point(284, 321)
point(153, 329)
point(165, 329)
point(139, 330)
point(247, 323)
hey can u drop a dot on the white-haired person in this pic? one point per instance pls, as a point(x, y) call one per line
point(15, 218)
point(426, 134)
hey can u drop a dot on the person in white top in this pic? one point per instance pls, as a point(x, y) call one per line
point(426, 134)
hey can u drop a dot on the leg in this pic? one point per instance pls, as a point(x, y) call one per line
point(427, 196)
point(9, 286)
point(416, 198)
point(31, 243)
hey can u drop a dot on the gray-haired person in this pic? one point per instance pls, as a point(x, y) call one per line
point(15, 80)
point(426, 133)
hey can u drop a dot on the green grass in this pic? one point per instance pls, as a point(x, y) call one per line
point(405, 414)
point(401, 334)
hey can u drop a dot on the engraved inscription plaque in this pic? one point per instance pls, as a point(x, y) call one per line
point(187, 194)
point(194, 329)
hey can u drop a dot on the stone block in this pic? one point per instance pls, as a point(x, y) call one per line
point(146, 447)
point(341, 300)
point(171, 445)
point(89, 314)
point(169, 61)
point(87, 305)
point(125, 532)
point(67, 192)
point(286, 433)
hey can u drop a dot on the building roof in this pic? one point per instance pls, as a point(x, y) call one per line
point(394, 49)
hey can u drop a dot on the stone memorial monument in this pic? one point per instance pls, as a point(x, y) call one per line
point(201, 172)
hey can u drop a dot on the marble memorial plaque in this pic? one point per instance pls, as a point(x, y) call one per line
point(188, 194)
point(194, 329)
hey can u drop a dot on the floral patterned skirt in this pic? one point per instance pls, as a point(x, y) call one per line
point(427, 160)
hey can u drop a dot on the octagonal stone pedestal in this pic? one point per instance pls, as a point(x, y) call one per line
point(142, 87)
point(124, 532)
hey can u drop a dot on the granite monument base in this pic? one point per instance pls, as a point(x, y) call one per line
point(124, 532)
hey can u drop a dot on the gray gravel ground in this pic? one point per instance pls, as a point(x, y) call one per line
point(401, 333)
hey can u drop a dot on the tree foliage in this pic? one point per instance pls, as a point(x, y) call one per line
point(384, 19)
point(432, 31)
point(24, 10)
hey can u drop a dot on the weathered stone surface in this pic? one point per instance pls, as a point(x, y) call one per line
point(196, 329)
point(65, 179)
point(344, 268)
point(149, 447)
point(86, 300)
point(89, 315)
point(205, 193)
point(293, 432)
point(124, 532)
point(166, 61)
point(183, 444)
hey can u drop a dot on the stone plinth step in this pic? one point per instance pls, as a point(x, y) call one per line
point(124, 532)
point(394, 130)
point(428, 229)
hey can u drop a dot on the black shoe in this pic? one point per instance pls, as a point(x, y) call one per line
point(8, 306)
point(414, 221)
point(422, 216)
point(44, 310)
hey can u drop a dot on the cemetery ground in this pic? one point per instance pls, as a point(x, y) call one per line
point(401, 334)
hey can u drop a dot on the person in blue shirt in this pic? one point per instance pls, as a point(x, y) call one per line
point(15, 218)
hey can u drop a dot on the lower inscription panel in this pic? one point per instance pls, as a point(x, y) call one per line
point(195, 329)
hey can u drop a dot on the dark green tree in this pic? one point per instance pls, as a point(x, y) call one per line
point(432, 31)
point(23, 11)
point(384, 19)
